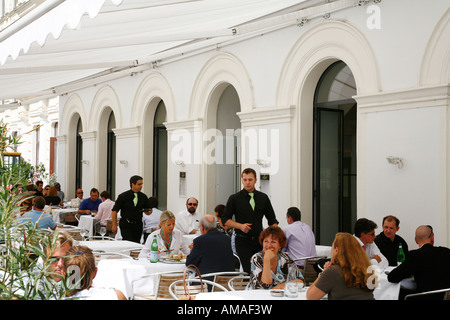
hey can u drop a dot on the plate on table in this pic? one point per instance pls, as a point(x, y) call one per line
point(172, 260)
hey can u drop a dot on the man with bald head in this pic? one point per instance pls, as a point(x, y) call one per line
point(211, 252)
point(429, 265)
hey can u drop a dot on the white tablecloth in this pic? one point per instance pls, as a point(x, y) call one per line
point(255, 295)
point(122, 246)
point(87, 222)
point(323, 251)
point(386, 290)
point(120, 274)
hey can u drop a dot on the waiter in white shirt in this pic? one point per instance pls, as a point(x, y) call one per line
point(187, 221)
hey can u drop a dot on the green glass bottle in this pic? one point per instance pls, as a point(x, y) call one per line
point(154, 250)
point(400, 254)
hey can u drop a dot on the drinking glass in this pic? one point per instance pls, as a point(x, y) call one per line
point(103, 231)
point(83, 233)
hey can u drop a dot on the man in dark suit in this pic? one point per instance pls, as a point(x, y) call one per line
point(429, 265)
point(211, 252)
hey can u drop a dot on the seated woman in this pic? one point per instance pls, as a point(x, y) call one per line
point(79, 263)
point(52, 199)
point(167, 237)
point(345, 276)
point(270, 267)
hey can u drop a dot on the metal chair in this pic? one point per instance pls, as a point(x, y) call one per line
point(441, 294)
point(308, 271)
point(194, 287)
point(223, 277)
point(164, 280)
point(238, 283)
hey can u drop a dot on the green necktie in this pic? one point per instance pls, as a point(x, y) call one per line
point(135, 200)
point(252, 201)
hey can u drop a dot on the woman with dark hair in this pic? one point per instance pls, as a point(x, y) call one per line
point(219, 209)
point(270, 267)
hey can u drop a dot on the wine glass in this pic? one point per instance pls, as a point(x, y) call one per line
point(103, 231)
point(83, 233)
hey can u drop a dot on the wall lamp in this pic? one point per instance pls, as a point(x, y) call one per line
point(263, 163)
point(124, 162)
point(395, 161)
point(179, 163)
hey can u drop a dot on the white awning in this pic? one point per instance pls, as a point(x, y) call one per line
point(61, 43)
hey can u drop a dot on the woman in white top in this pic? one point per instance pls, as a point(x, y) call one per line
point(167, 236)
point(79, 264)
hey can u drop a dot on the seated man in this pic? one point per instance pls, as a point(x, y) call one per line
point(90, 205)
point(211, 252)
point(388, 240)
point(188, 219)
point(104, 212)
point(364, 232)
point(38, 216)
point(428, 265)
point(300, 240)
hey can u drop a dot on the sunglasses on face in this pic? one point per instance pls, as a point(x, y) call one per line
point(193, 204)
point(54, 259)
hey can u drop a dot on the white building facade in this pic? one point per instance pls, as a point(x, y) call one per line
point(315, 108)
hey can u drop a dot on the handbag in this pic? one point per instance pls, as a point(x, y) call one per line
point(187, 295)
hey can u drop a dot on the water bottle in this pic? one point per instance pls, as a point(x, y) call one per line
point(400, 254)
point(154, 250)
point(291, 286)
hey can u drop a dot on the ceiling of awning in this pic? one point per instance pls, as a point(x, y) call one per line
point(74, 40)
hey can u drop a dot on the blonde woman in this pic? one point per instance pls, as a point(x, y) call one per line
point(346, 276)
point(79, 263)
point(168, 238)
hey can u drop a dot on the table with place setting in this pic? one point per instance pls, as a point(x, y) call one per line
point(125, 274)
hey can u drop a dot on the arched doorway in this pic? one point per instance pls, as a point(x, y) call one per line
point(160, 156)
point(222, 146)
point(334, 172)
point(111, 157)
point(78, 155)
point(228, 157)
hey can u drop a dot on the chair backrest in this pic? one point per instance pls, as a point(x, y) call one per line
point(237, 263)
point(238, 283)
point(135, 253)
point(101, 255)
point(223, 277)
point(75, 235)
point(308, 271)
point(441, 294)
point(71, 217)
point(194, 286)
point(164, 282)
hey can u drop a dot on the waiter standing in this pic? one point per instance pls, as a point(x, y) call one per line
point(248, 206)
point(130, 203)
